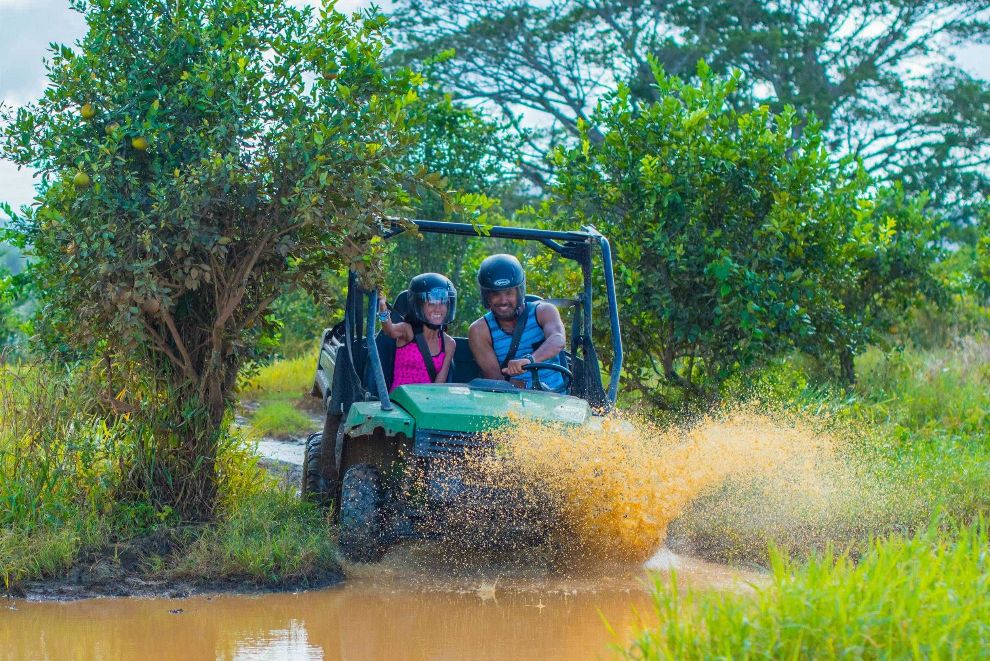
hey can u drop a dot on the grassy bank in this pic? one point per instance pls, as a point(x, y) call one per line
point(926, 596)
point(70, 503)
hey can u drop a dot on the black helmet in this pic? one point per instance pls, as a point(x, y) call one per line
point(501, 272)
point(432, 288)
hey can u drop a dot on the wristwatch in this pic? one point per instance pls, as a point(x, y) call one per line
point(384, 316)
point(529, 357)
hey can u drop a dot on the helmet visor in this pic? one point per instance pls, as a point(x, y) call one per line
point(437, 296)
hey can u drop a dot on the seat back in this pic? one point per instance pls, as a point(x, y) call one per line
point(464, 368)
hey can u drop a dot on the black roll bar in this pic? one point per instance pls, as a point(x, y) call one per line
point(376, 361)
point(549, 238)
point(613, 315)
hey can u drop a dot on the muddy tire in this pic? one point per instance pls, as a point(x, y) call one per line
point(362, 520)
point(315, 487)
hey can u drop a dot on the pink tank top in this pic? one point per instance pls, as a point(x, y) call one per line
point(409, 366)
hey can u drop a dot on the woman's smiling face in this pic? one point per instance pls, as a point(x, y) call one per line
point(435, 313)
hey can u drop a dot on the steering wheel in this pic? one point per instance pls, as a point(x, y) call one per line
point(553, 367)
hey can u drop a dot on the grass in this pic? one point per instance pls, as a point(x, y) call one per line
point(923, 597)
point(67, 497)
point(279, 419)
point(269, 539)
point(291, 378)
point(282, 389)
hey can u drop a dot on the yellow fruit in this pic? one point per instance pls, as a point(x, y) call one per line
point(110, 129)
point(151, 305)
point(140, 143)
point(81, 180)
point(87, 111)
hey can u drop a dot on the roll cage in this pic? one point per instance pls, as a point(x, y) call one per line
point(365, 378)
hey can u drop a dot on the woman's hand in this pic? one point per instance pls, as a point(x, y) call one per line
point(382, 302)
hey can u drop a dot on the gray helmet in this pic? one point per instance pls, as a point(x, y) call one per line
point(501, 272)
point(432, 288)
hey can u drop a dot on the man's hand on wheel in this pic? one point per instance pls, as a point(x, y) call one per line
point(515, 367)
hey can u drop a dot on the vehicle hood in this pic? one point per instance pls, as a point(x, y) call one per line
point(456, 407)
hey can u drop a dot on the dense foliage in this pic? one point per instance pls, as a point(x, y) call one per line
point(880, 76)
point(736, 236)
point(197, 159)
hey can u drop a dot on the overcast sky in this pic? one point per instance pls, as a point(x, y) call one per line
point(28, 26)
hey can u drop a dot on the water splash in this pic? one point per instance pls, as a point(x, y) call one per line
point(615, 489)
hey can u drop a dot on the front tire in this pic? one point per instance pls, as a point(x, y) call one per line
point(362, 519)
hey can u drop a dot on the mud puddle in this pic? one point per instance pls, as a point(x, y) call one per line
point(402, 608)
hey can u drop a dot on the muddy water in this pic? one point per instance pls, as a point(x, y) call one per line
point(398, 610)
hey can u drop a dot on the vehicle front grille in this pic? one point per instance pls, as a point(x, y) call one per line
point(436, 443)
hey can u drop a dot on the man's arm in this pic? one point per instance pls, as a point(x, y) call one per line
point(553, 331)
point(480, 341)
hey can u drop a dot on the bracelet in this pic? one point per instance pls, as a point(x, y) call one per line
point(383, 317)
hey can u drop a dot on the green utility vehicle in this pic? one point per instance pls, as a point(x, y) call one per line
point(373, 443)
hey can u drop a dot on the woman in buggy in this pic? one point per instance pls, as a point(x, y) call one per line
point(424, 351)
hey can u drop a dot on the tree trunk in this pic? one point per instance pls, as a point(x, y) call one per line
point(178, 467)
point(847, 367)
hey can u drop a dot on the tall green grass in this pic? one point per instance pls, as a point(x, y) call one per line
point(68, 463)
point(291, 377)
point(280, 420)
point(920, 597)
point(268, 538)
point(282, 388)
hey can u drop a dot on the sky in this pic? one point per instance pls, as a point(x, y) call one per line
point(28, 26)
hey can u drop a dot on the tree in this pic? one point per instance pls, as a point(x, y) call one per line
point(877, 75)
point(736, 237)
point(469, 155)
point(197, 158)
point(888, 245)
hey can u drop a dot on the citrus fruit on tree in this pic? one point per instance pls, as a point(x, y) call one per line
point(81, 180)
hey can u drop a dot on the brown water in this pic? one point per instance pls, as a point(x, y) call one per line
point(397, 610)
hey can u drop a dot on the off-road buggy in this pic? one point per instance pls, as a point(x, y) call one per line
point(373, 442)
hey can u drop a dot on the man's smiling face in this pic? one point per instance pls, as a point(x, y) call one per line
point(503, 303)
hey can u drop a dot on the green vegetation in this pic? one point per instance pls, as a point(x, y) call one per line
point(924, 596)
point(271, 538)
point(735, 240)
point(281, 389)
point(291, 377)
point(232, 151)
point(71, 491)
point(281, 420)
